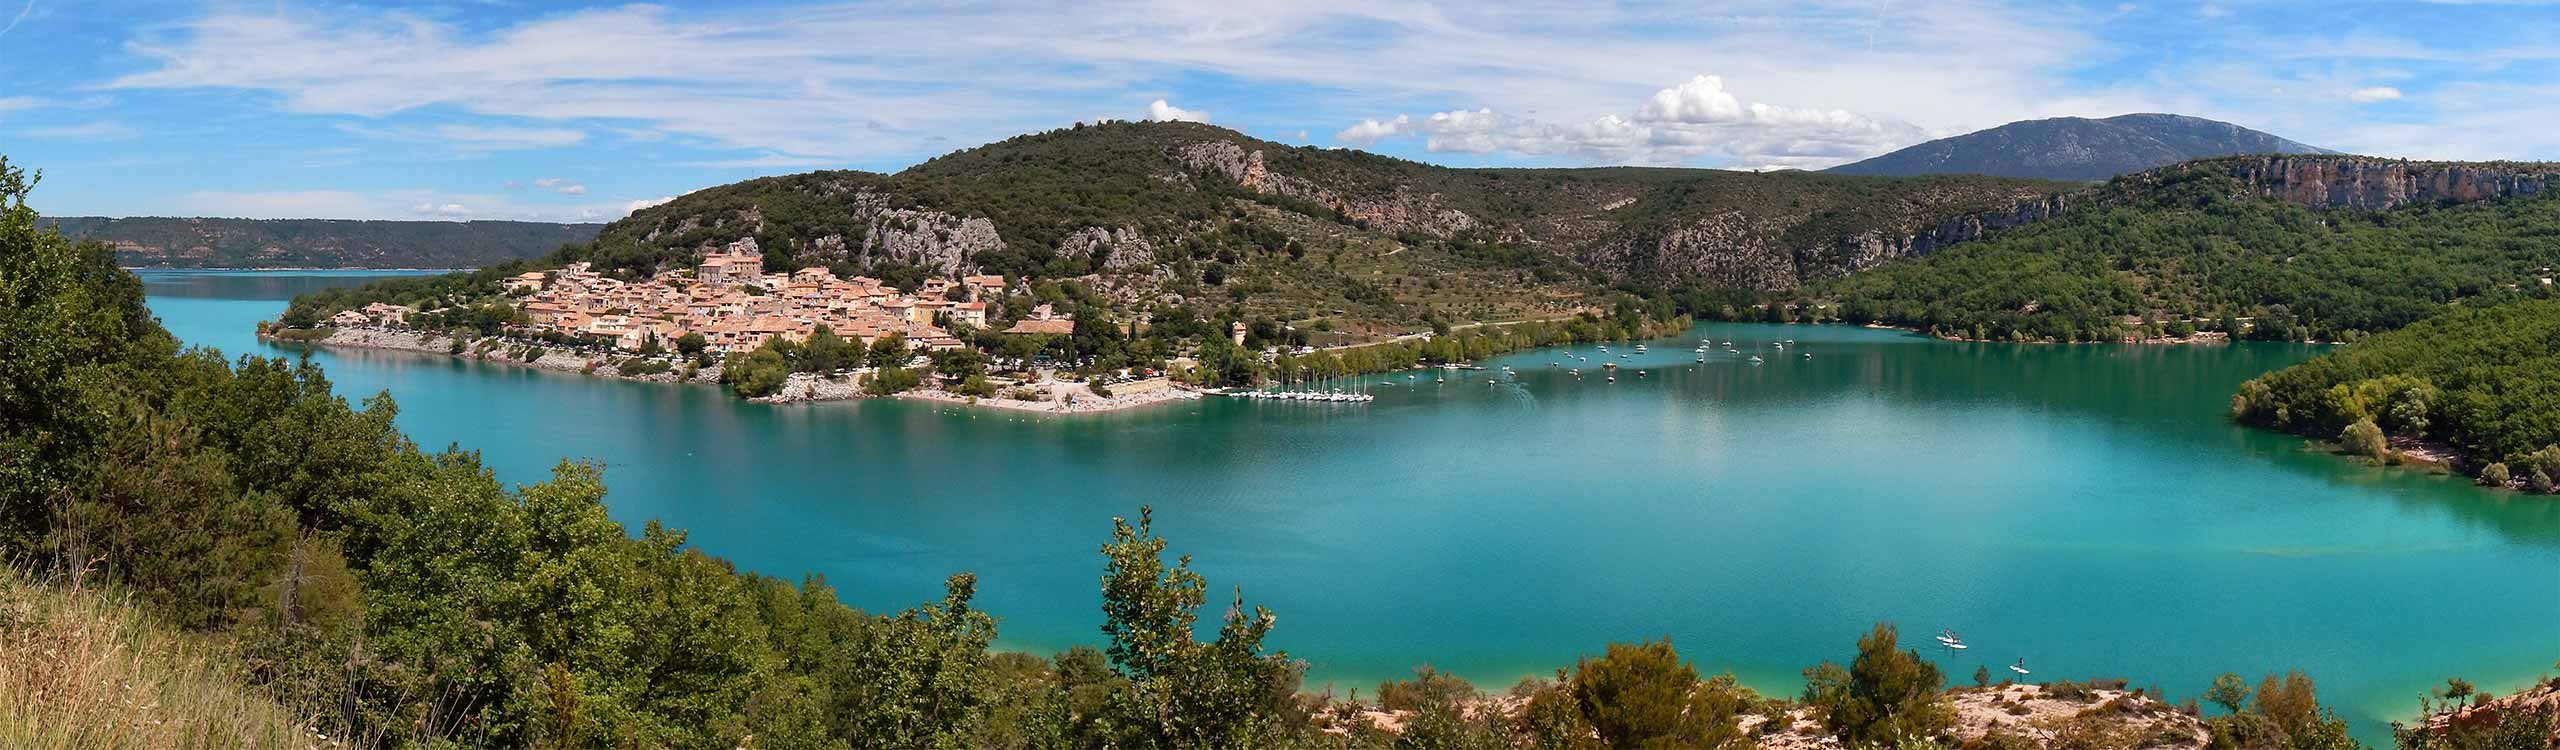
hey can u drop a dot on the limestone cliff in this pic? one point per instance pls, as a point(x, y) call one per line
point(2372, 184)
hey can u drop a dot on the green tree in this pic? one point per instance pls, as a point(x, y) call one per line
point(887, 351)
point(891, 380)
point(757, 373)
point(2364, 439)
point(920, 678)
point(1183, 693)
point(2495, 475)
point(824, 351)
point(692, 344)
point(1886, 694)
point(2456, 690)
point(1635, 695)
point(2228, 691)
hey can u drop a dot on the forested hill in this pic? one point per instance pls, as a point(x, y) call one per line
point(2078, 148)
point(2484, 381)
point(2323, 248)
point(321, 243)
point(1170, 208)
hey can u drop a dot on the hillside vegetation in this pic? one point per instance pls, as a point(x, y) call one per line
point(321, 243)
point(82, 668)
point(2484, 381)
point(2195, 249)
point(1161, 214)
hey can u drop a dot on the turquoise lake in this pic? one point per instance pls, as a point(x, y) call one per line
point(2086, 508)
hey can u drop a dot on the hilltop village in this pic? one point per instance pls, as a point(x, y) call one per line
point(736, 307)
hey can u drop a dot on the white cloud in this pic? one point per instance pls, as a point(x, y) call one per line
point(767, 161)
point(561, 186)
point(88, 131)
point(647, 203)
point(781, 87)
point(400, 204)
point(2372, 94)
point(13, 103)
point(1368, 131)
point(1160, 111)
point(1697, 118)
point(502, 138)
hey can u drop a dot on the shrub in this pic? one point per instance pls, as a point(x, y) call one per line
point(2365, 439)
point(2541, 482)
point(2546, 460)
point(1427, 686)
point(639, 367)
point(1642, 695)
point(2067, 690)
point(2495, 475)
point(889, 380)
point(1634, 694)
point(1885, 695)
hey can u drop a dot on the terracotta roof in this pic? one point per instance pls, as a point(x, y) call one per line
point(1060, 326)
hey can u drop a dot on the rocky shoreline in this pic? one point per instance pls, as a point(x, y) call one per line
point(496, 351)
point(1058, 397)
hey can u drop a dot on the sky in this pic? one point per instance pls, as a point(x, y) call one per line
point(580, 111)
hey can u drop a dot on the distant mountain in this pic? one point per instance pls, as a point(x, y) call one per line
point(2078, 148)
point(322, 243)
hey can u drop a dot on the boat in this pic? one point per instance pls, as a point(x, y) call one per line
point(1639, 348)
point(2020, 667)
point(1613, 378)
point(1755, 359)
point(1608, 365)
point(1808, 355)
point(1702, 358)
point(1950, 640)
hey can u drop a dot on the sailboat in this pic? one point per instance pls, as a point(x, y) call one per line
point(2020, 667)
point(1949, 640)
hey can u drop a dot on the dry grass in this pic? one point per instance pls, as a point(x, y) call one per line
point(82, 668)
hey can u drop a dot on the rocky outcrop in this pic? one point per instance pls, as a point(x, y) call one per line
point(1861, 251)
point(1726, 249)
point(933, 239)
point(2366, 183)
point(1120, 249)
point(1401, 210)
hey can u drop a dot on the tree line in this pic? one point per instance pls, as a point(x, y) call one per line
point(2199, 253)
point(2483, 381)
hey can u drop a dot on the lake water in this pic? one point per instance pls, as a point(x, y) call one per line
point(2086, 508)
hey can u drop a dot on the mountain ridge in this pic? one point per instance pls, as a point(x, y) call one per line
point(219, 242)
point(2078, 148)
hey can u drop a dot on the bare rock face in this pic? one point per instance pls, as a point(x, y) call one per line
point(1864, 250)
point(1727, 249)
point(1120, 249)
point(2365, 183)
point(1401, 210)
point(933, 239)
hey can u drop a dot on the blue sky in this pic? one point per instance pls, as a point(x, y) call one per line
point(527, 109)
